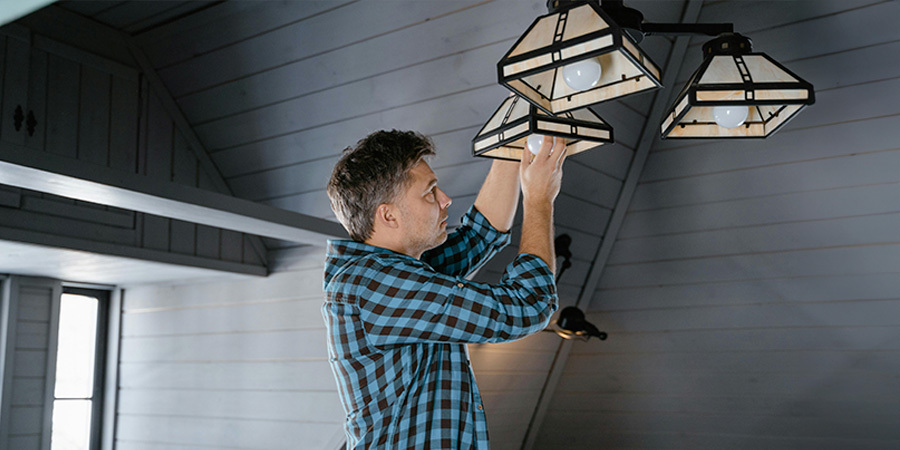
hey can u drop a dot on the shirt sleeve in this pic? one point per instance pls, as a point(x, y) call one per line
point(468, 247)
point(404, 301)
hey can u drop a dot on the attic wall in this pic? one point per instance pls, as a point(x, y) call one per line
point(91, 106)
point(275, 90)
point(752, 294)
point(28, 320)
point(235, 364)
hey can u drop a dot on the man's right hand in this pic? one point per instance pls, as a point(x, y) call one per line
point(541, 178)
point(541, 175)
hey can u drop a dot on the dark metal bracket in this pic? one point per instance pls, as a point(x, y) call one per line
point(632, 20)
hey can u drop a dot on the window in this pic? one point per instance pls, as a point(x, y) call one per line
point(80, 356)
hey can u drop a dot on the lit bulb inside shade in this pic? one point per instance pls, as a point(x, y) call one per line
point(534, 143)
point(582, 75)
point(730, 116)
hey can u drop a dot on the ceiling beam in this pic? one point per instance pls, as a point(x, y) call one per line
point(44, 172)
point(649, 136)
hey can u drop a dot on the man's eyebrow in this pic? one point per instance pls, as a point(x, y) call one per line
point(431, 183)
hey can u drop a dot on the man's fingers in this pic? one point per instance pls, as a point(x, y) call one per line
point(546, 146)
point(562, 157)
point(560, 150)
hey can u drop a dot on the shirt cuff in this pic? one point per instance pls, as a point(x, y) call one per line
point(533, 273)
point(482, 227)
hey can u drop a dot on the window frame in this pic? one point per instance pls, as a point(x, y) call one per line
point(104, 299)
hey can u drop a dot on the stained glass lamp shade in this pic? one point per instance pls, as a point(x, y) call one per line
point(534, 67)
point(505, 134)
point(732, 80)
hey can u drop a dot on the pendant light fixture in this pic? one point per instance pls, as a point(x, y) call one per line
point(736, 94)
point(518, 125)
point(574, 57)
point(586, 52)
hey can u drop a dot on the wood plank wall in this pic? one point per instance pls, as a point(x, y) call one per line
point(752, 293)
point(275, 90)
point(233, 364)
point(32, 312)
point(96, 109)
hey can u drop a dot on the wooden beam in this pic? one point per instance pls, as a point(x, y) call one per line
point(13, 10)
point(44, 172)
point(649, 136)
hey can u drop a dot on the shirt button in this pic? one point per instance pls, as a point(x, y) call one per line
point(459, 285)
point(480, 407)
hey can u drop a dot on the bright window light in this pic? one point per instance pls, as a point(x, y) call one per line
point(75, 363)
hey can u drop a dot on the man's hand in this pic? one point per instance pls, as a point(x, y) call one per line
point(541, 178)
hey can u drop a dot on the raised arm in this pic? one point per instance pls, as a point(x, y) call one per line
point(499, 195)
point(541, 181)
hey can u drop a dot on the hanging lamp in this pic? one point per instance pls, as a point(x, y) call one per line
point(506, 133)
point(574, 57)
point(736, 94)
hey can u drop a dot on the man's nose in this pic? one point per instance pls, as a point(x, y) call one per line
point(443, 199)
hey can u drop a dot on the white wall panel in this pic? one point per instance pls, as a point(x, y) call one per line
point(751, 295)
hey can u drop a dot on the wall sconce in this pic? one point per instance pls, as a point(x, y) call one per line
point(571, 324)
point(507, 132)
point(736, 94)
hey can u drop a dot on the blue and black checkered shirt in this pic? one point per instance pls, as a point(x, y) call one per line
point(397, 329)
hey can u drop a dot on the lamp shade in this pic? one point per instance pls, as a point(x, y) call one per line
point(534, 67)
point(505, 134)
point(731, 76)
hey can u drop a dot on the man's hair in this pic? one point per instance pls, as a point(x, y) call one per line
point(371, 173)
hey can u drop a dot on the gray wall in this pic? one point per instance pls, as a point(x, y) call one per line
point(91, 106)
point(229, 363)
point(752, 293)
point(28, 323)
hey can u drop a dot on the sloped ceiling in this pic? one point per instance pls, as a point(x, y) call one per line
point(275, 90)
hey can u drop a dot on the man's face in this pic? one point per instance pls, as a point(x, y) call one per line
point(423, 211)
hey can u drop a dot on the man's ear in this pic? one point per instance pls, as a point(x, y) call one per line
point(386, 215)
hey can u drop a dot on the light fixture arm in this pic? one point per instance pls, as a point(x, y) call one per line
point(632, 20)
point(686, 29)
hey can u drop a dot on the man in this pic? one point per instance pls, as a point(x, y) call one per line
point(399, 309)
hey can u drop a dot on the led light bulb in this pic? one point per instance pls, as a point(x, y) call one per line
point(534, 143)
point(583, 74)
point(730, 116)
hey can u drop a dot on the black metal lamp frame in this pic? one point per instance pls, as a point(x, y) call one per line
point(738, 46)
point(532, 119)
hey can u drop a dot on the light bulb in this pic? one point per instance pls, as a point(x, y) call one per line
point(534, 143)
point(730, 116)
point(583, 74)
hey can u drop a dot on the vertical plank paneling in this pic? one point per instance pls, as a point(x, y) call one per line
point(37, 99)
point(32, 342)
point(160, 135)
point(232, 245)
point(93, 117)
point(15, 90)
point(63, 81)
point(123, 126)
point(159, 140)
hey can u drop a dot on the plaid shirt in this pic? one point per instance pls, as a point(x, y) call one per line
point(397, 329)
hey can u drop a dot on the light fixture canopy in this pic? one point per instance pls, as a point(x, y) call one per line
point(573, 32)
point(505, 133)
point(732, 76)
